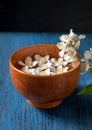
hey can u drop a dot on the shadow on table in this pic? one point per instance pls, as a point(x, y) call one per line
point(73, 110)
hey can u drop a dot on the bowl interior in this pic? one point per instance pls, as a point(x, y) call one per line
point(44, 49)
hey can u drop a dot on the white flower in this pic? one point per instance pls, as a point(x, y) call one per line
point(77, 45)
point(46, 65)
point(58, 62)
point(85, 65)
point(64, 63)
point(52, 73)
point(61, 53)
point(87, 55)
point(71, 33)
point(37, 57)
point(61, 45)
point(70, 54)
point(45, 72)
point(65, 38)
point(53, 69)
point(53, 60)
point(67, 58)
point(81, 37)
point(28, 61)
point(66, 69)
point(84, 68)
point(62, 70)
point(32, 71)
point(70, 40)
point(34, 63)
point(21, 63)
point(38, 70)
point(41, 60)
point(68, 46)
point(59, 67)
point(25, 69)
point(91, 50)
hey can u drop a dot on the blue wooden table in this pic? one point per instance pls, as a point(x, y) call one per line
point(75, 113)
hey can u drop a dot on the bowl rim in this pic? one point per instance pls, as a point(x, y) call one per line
point(42, 76)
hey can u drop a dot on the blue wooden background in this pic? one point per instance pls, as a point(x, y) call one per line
point(75, 113)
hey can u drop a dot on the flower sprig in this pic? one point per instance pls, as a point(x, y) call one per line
point(72, 41)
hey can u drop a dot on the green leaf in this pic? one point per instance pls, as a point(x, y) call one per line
point(90, 71)
point(86, 90)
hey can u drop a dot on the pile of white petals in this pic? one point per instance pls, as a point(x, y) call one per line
point(45, 65)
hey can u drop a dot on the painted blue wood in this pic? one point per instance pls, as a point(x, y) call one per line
point(75, 113)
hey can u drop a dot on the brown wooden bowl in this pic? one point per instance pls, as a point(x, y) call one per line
point(42, 91)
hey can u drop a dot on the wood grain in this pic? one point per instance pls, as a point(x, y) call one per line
point(42, 91)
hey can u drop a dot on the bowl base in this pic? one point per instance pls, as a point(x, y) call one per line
point(45, 105)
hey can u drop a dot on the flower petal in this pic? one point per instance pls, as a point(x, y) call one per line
point(87, 55)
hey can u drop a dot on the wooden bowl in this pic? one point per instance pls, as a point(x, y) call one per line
point(42, 91)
